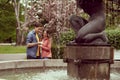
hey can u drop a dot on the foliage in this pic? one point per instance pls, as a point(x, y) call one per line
point(112, 13)
point(112, 34)
point(57, 12)
point(55, 51)
point(67, 36)
point(54, 12)
point(114, 38)
point(7, 22)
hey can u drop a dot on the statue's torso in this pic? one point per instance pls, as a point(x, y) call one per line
point(91, 6)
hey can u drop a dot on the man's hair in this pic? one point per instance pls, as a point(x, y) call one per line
point(37, 24)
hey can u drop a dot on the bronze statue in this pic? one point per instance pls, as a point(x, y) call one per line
point(91, 31)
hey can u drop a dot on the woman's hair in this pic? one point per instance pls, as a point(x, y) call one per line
point(48, 33)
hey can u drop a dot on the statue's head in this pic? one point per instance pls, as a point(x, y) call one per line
point(90, 6)
point(81, 3)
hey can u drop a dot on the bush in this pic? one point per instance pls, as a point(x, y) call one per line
point(114, 38)
point(66, 37)
point(55, 54)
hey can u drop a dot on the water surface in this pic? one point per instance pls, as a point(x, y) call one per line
point(41, 74)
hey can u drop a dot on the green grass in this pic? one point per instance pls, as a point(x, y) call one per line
point(12, 49)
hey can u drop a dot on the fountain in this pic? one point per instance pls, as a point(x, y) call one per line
point(54, 69)
point(89, 62)
point(89, 56)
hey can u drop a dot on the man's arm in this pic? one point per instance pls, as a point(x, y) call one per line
point(29, 41)
point(32, 44)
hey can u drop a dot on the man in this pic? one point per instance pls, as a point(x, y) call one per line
point(33, 42)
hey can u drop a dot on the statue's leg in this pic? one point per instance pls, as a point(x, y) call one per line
point(77, 23)
point(92, 27)
point(96, 36)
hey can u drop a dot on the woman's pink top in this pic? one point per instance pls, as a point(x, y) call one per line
point(46, 48)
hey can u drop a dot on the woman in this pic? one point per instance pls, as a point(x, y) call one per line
point(46, 46)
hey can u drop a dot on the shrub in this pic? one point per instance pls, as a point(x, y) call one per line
point(55, 54)
point(66, 37)
point(114, 38)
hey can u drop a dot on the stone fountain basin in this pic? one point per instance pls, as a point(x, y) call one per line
point(45, 64)
point(38, 63)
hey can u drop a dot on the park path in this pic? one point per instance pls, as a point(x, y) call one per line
point(14, 56)
point(21, 56)
point(17, 56)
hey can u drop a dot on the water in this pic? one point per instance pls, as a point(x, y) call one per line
point(40, 74)
point(49, 74)
point(35, 74)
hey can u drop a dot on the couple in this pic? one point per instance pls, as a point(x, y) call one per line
point(38, 43)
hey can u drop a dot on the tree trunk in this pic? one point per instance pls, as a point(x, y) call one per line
point(23, 36)
point(18, 32)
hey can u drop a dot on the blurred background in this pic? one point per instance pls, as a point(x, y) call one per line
point(17, 16)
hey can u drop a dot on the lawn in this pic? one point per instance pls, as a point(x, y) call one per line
point(12, 49)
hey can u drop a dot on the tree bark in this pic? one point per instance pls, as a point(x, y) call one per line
point(18, 32)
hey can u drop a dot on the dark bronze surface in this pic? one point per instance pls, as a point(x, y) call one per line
point(92, 30)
